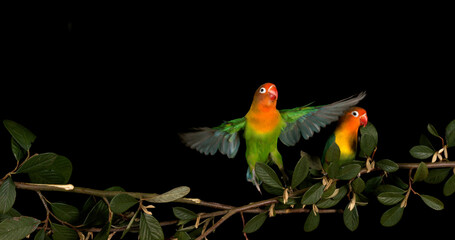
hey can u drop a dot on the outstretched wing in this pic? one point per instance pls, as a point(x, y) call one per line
point(305, 121)
point(224, 138)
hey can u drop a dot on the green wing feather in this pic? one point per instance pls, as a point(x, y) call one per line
point(305, 121)
point(224, 138)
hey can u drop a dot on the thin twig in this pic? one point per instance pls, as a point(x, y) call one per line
point(243, 223)
point(43, 200)
point(234, 211)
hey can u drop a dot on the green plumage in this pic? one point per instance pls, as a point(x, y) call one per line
point(262, 147)
point(262, 129)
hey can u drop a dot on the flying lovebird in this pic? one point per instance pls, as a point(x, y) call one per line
point(346, 134)
point(263, 125)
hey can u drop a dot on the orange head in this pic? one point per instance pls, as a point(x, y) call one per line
point(355, 117)
point(265, 96)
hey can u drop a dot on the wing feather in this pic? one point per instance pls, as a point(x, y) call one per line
point(307, 120)
point(224, 138)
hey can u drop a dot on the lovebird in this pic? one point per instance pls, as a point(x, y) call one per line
point(262, 126)
point(346, 134)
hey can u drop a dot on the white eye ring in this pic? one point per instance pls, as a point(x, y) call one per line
point(355, 113)
point(262, 90)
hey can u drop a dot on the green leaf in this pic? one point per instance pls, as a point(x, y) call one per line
point(314, 161)
point(104, 233)
point(10, 214)
point(421, 152)
point(436, 176)
point(392, 216)
point(330, 202)
point(333, 169)
point(183, 213)
point(367, 145)
point(255, 223)
point(149, 228)
point(300, 171)
point(368, 140)
point(7, 195)
point(329, 191)
point(351, 218)
point(389, 188)
point(432, 202)
point(370, 129)
point(98, 215)
point(65, 212)
point(267, 175)
point(313, 194)
point(348, 172)
point(41, 235)
point(390, 198)
point(397, 181)
point(358, 185)
point(425, 141)
point(114, 189)
point(61, 232)
point(361, 200)
point(333, 153)
point(122, 202)
point(421, 173)
point(88, 205)
point(172, 195)
point(132, 220)
point(180, 235)
point(273, 190)
point(450, 134)
point(37, 163)
point(59, 172)
point(18, 152)
point(387, 165)
point(372, 184)
point(18, 228)
point(312, 222)
point(22, 135)
point(431, 129)
point(449, 186)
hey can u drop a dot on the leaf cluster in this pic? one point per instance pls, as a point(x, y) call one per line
point(426, 149)
point(398, 195)
point(64, 221)
point(335, 182)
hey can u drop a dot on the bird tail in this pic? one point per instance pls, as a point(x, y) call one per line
point(251, 177)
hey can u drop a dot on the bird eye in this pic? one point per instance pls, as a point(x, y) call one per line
point(355, 113)
point(262, 90)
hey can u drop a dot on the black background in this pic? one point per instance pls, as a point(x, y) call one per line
point(111, 87)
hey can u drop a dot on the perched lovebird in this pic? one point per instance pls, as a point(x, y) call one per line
point(263, 125)
point(346, 133)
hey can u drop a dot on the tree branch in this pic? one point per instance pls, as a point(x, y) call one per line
point(193, 201)
point(446, 164)
point(226, 210)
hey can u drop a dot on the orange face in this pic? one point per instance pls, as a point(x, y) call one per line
point(356, 116)
point(266, 95)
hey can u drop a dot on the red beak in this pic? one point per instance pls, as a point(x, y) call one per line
point(273, 93)
point(363, 120)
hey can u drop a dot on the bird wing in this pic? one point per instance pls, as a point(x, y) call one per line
point(224, 138)
point(305, 121)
